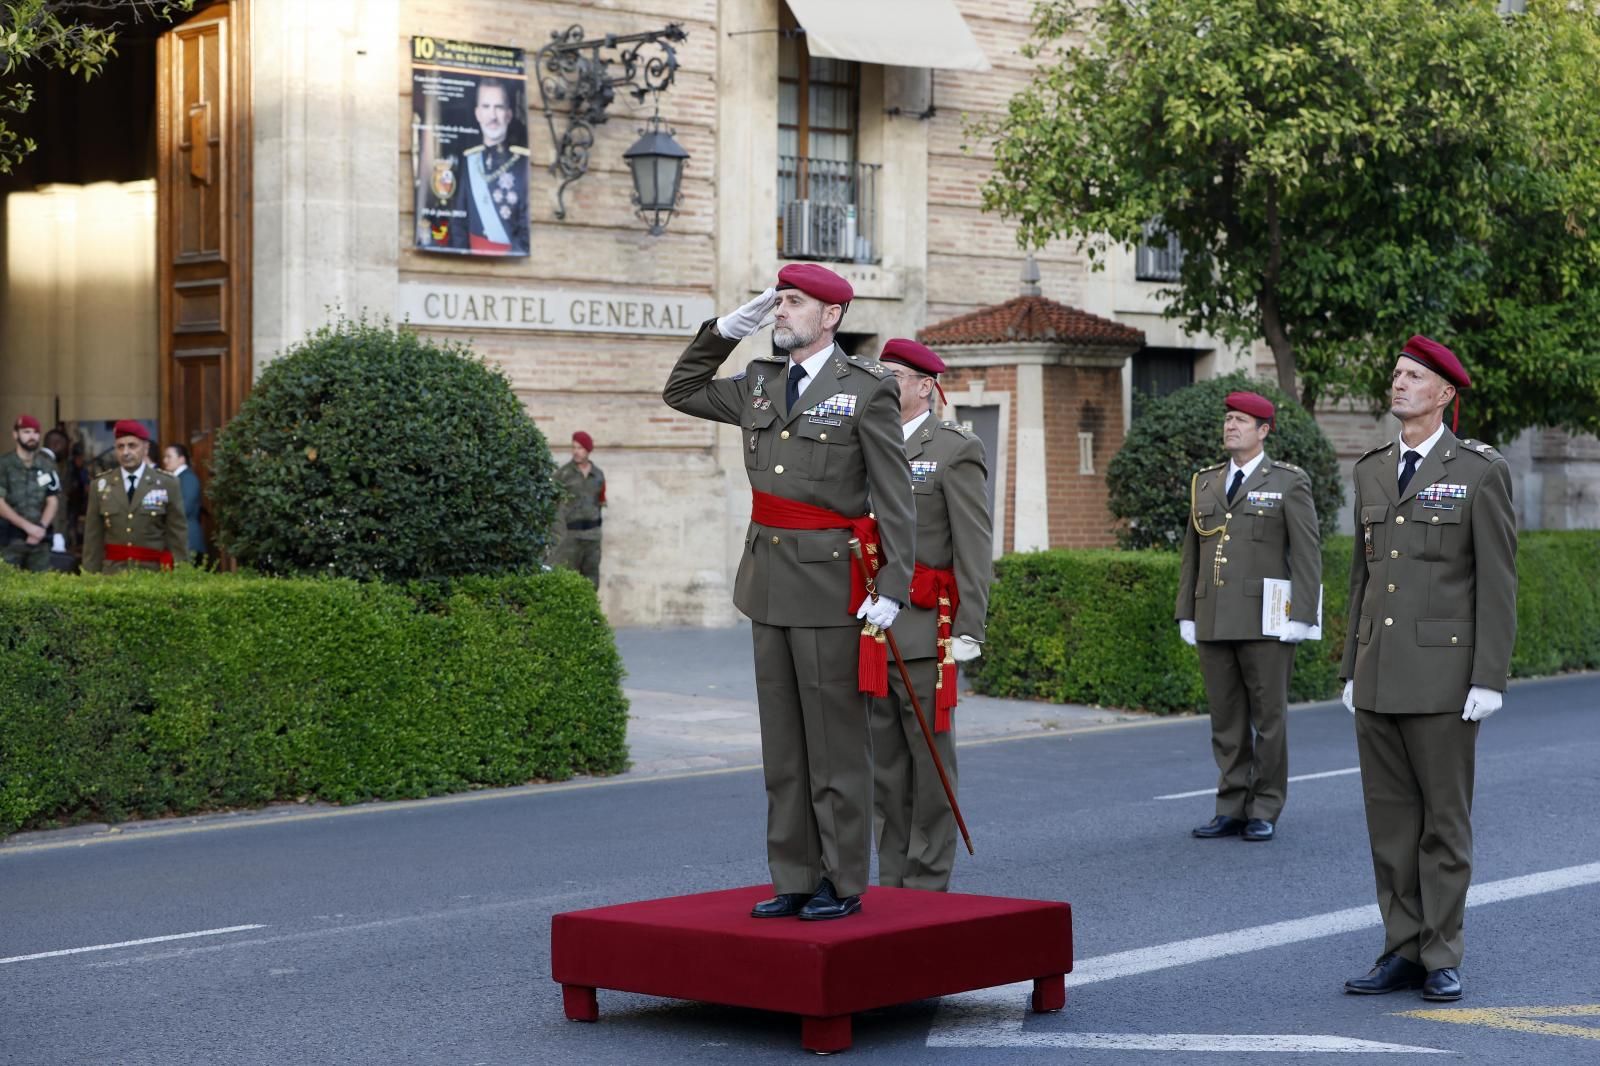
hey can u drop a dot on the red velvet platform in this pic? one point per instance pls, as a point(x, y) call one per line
point(905, 945)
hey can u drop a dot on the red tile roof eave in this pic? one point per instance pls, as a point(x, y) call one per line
point(1030, 319)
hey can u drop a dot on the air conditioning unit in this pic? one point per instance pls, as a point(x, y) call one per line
point(816, 230)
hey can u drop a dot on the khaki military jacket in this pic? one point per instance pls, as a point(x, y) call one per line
point(842, 448)
point(1270, 530)
point(949, 481)
point(153, 519)
point(584, 502)
point(1433, 584)
point(26, 487)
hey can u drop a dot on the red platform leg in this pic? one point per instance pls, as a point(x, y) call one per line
point(825, 1034)
point(580, 1003)
point(1049, 993)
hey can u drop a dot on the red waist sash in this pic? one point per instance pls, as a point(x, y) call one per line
point(777, 512)
point(132, 553)
point(937, 588)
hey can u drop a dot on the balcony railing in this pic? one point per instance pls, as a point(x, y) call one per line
point(1159, 257)
point(828, 210)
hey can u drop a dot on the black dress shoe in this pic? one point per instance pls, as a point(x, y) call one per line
point(1257, 829)
point(1391, 974)
point(1220, 826)
point(1442, 985)
point(783, 905)
point(826, 904)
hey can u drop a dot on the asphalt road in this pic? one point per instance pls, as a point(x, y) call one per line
point(418, 932)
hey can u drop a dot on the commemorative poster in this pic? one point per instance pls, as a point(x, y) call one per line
point(469, 147)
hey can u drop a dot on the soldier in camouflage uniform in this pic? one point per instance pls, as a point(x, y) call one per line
point(581, 513)
point(30, 493)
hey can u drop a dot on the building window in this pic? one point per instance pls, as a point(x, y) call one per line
point(1159, 372)
point(1159, 255)
point(827, 198)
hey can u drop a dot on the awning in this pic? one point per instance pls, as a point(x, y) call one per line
point(896, 33)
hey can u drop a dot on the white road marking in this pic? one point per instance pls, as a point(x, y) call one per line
point(993, 1017)
point(1302, 777)
point(130, 943)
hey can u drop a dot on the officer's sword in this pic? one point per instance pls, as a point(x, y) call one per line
point(916, 704)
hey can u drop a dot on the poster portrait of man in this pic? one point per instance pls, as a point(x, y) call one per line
point(470, 147)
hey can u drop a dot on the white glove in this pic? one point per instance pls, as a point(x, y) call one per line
point(58, 543)
point(1294, 633)
point(964, 649)
point(1349, 696)
point(880, 612)
point(1481, 703)
point(1186, 631)
point(737, 325)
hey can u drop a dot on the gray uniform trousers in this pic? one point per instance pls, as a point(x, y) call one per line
point(1247, 686)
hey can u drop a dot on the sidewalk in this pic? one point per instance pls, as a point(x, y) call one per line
point(693, 704)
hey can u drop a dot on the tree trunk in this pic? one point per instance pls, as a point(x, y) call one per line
point(1272, 327)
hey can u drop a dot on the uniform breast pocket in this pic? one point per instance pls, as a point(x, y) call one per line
point(1442, 526)
point(757, 440)
point(1266, 523)
point(827, 446)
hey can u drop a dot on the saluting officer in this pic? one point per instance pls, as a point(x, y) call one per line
point(1250, 518)
point(941, 626)
point(135, 515)
point(30, 492)
point(820, 434)
point(1433, 617)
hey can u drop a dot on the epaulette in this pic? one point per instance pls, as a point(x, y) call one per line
point(1486, 450)
point(958, 428)
point(474, 149)
point(1374, 451)
point(1214, 466)
point(875, 369)
point(769, 357)
point(1287, 466)
point(517, 149)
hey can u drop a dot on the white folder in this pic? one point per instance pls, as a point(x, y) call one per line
point(1275, 609)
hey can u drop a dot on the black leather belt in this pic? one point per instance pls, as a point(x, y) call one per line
point(586, 523)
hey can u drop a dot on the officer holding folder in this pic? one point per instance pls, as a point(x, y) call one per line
point(1251, 521)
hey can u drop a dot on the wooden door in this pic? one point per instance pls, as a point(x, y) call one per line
point(203, 179)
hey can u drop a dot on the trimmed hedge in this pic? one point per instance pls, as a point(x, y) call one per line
point(1096, 627)
point(156, 694)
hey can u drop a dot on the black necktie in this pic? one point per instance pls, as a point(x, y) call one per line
point(1412, 459)
point(791, 395)
point(1233, 489)
point(132, 481)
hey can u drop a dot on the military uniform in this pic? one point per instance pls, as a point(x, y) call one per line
point(26, 487)
point(840, 443)
point(1269, 530)
point(151, 522)
point(494, 193)
point(580, 518)
point(916, 829)
point(1433, 587)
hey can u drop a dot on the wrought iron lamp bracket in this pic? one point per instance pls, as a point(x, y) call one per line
point(586, 74)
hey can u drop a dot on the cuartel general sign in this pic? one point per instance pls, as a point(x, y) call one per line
point(425, 303)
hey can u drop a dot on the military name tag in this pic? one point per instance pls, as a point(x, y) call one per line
point(840, 405)
point(922, 469)
point(825, 421)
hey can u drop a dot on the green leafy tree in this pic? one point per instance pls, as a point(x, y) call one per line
point(368, 452)
point(1339, 174)
point(57, 34)
point(1181, 433)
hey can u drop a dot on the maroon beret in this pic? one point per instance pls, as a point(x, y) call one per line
point(26, 422)
point(583, 440)
point(129, 428)
point(1253, 404)
point(818, 281)
point(916, 356)
point(1439, 359)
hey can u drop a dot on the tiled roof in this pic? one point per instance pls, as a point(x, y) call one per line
point(1030, 318)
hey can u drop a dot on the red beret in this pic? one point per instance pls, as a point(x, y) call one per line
point(129, 428)
point(916, 356)
point(583, 440)
point(1439, 359)
point(818, 281)
point(1253, 404)
point(26, 422)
